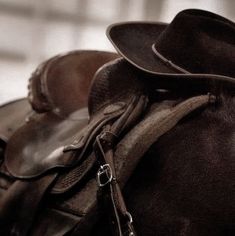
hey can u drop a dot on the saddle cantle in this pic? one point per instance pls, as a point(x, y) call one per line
point(61, 83)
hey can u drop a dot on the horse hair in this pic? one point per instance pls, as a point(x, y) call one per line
point(184, 185)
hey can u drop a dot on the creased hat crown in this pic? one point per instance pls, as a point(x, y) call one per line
point(199, 42)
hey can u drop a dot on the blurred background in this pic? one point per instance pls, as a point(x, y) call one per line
point(34, 30)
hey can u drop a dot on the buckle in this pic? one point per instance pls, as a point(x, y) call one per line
point(129, 216)
point(129, 224)
point(104, 175)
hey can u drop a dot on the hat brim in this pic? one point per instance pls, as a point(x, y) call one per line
point(134, 41)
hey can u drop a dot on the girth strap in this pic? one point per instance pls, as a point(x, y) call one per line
point(147, 135)
point(120, 218)
point(17, 210)
point(111, 195)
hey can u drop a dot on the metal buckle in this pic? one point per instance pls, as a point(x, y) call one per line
point(130, 221)
point(129, 216)
point(104, 170)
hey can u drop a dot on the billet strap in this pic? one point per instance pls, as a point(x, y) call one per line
point(120, 218)
point(20, 203)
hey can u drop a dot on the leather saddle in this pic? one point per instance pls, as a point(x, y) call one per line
point(58, 93)
point(83, 135)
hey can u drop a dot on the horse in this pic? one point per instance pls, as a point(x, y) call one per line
point(184, 185)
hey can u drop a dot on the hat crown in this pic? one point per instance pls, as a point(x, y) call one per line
point(199, 41)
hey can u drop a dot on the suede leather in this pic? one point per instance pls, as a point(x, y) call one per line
point(196, 44)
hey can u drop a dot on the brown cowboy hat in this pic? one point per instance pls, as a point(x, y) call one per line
point(196, 44)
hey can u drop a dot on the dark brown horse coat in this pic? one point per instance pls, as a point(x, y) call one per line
point(184, 185)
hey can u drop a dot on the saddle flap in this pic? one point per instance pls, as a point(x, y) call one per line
point(47, 141)
point(38, 145)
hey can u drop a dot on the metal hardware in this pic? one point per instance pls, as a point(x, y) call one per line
point(128, 214)
point(104, 170)
point(130, 221)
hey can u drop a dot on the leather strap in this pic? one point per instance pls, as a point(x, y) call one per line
point(120, 219)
